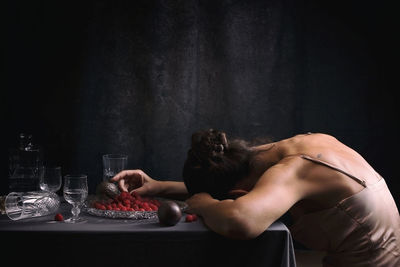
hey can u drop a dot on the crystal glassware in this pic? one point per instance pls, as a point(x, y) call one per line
point(113, 164)
point(25, 205)
point(75, 193)
point(50, 179)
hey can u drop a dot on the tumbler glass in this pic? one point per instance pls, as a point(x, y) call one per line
point(113, 164)
point(24, 205)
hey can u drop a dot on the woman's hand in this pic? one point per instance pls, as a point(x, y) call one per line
point(137, 181)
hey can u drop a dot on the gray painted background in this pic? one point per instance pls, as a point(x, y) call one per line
point(138, 77)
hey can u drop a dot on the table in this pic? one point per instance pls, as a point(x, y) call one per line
point(126, 242)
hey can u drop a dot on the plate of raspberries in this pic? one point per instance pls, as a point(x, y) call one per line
point(125, 206)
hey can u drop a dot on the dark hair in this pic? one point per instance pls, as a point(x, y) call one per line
point(214, 164)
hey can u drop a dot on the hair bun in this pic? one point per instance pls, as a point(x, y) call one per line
point(219, 148)
point(224, 141)
point(209, 145)
point(213, 165)
point(218, 141)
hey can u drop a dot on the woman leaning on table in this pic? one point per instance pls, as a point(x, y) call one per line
point(339, 203)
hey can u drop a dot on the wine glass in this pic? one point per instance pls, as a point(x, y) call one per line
point(75, 193)
point(50, 179)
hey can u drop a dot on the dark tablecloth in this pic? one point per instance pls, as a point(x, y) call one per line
point(125, 242)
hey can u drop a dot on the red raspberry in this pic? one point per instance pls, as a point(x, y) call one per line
point(156, 202)
point(59, 217)
point(124, 195)
point(189, 218)
point(153, 207)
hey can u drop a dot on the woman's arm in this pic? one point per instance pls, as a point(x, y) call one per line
point(246, 217)
point(173, 189)
point(139, 182)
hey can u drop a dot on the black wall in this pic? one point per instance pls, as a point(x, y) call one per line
point(138, 77)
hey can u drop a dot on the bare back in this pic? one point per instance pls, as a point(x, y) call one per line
point(350, 212)
point(329, 149)
point(328, 186)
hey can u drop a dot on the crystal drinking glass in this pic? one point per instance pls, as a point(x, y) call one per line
point(50, 179)
point(24, 205)
point(75, 193)
point(113, 164)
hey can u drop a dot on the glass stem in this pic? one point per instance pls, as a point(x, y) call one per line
point(75, 212)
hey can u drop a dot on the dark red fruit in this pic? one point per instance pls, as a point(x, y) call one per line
point(127, 202)
point(59, 217)
point(191, 218)
point(169, 213)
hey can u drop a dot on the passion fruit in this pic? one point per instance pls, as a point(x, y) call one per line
point(169, 213)
point(107, 189)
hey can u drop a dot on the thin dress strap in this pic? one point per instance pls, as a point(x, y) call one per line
point(360, 181)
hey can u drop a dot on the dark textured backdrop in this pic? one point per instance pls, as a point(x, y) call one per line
point(138, 77)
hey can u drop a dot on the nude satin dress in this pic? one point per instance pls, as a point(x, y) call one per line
point(361, 230)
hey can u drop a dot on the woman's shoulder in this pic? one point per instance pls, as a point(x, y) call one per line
point(302, 143)
point(291, 166)
point(310, 135)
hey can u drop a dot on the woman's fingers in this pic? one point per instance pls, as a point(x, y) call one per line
point(121, 175)
point(122, 185)
point(129, 179)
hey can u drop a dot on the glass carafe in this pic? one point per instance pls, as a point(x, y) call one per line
point(25, 166)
